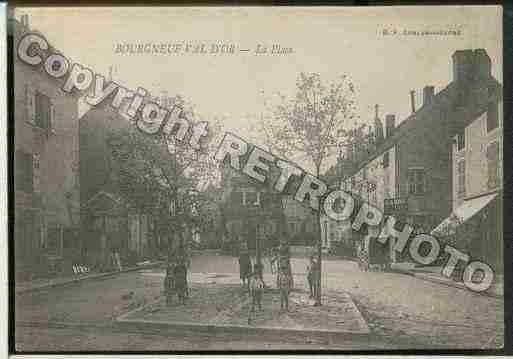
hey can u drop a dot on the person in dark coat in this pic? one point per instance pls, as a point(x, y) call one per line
point(313, 276)
point(169, 283)
point(245, 266)
point(180, 281)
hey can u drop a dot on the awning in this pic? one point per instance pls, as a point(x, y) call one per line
point(463, 213)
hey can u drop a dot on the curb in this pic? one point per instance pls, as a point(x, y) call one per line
point(193, 331)
point(447, 283)
point(84, 278)
point(152, 326)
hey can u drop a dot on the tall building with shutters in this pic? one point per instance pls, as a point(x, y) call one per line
point(46, 166)
point(441, 157)
point(475, 221)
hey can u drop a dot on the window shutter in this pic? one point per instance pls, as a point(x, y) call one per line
point(52, 118)
point(36, 172)
point(30, 96)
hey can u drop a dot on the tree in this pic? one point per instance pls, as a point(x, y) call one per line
point(310, 125)
point(162, 176)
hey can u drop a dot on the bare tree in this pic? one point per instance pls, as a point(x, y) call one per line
point(310, 125)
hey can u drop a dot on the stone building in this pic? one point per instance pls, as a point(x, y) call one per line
point(46, 166)
point(109, 221)
point(408, 174)
point(477, 169)
point(253, 212)
point(250, 211)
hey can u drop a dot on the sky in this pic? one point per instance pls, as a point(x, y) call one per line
point(327, 40)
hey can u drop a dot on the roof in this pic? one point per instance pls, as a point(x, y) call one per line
point(443, 98)
point(118, 200)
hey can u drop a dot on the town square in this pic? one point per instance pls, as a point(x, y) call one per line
point(170, 199)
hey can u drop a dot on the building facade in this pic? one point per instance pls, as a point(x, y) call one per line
point(46, 168)
point(475, 223)
point(409, 173)
point(250, 212)
point(109, 221)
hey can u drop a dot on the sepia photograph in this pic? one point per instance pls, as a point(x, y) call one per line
point(256, 178)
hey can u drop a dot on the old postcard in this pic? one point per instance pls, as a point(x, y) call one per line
point(230, 178)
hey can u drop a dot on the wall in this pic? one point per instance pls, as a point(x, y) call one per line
point(58, 150)
point(477, 139)
point(427, 146)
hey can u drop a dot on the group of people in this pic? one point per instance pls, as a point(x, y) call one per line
point(175, 282)
point(252, 275)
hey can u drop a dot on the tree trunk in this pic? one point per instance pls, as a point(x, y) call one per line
point(283, 220)
point(318, 301)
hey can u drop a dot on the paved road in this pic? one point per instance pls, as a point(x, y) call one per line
point(402, 311)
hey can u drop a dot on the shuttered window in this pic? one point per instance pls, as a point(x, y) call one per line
point(461, 179)
point(43, 114)
point(416, 181)
point(492, 155)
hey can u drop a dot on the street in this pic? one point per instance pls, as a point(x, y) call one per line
point(403, 312)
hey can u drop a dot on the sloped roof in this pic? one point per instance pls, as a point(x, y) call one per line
point(421, 118)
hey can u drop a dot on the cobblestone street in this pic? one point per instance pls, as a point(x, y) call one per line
point(402, 311)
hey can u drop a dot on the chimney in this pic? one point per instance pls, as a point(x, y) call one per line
point(378, 126)
point(462, 65)
point(24, 20)
point(428, 95)
point(389, 125)
point(412, 100)
point(482, 63)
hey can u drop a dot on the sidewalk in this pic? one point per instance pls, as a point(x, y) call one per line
point(43, 283)
point(433, 274)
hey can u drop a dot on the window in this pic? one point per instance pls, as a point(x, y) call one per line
point(236, 197)
point(386, 160)
point(416, 181)
point(251, 199)
point(293, 228)
point(460, 140)
point(491, 117)
point(36, 181)
point(24, 172)
point(325, 236)
point(461, 179)
point(492, 156)
point(43, 111)
point(270, 228)
point(386, 184)
point(53, 240)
